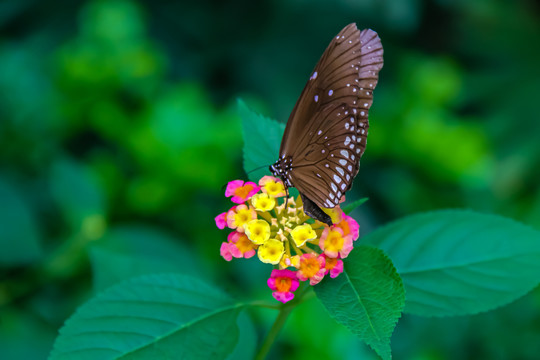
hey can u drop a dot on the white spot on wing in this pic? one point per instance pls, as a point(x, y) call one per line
point(316, 97)
point(340, 171)
point(337, 179)
point(330, 92)
point(347, 141)
point(345, 153)
point(314, 76)
point(334, 187)
point(343, 186)
point(343, 162)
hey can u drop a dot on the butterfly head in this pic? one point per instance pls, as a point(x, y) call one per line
point(281, 169)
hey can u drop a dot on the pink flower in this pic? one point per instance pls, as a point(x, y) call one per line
point(221, 220)
point(312, 268)
point(241, 191)
point(334, 266)
point(349, 226)
point(283, 283)
point(228, 251)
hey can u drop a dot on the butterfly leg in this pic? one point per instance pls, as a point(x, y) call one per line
point(311, 209)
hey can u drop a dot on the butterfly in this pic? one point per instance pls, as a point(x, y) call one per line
point(327, 130)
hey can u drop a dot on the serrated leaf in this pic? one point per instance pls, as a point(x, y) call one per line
point(367, 298)
point(456, 262)
point(262, 139)
point(167, 316)
point(347, 209)
point(19, 237)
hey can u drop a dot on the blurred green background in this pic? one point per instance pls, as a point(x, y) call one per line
point(118, 129)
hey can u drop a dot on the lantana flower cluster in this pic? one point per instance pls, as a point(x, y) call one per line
point(265, 223)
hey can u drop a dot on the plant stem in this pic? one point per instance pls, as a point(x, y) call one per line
point(274, 331)
point(284, 312)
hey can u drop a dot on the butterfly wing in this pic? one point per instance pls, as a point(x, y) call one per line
point(327, 130)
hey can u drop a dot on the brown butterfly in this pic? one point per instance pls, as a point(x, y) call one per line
point(327, 130)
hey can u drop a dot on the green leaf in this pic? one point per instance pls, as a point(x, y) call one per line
point(456, 262)
point(262, 139)
point(347, 209)
point(367, 298)
point(247, 339)
point(19, 237)
point(166, 316)
point(132, 250)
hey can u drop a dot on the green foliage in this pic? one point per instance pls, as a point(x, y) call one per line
point(367, 298)
point(262, 138)
point(20, 240)
point(347, 209)
point(439, 143)
point(460, 262)
point(165, 316)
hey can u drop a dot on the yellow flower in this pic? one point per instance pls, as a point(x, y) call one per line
point(258, 231)
point(263, 202)
point(240, 215)
point(272, 186)
point(303, 233)
point(271, 251)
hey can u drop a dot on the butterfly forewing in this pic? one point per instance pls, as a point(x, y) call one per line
point(327, 130)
